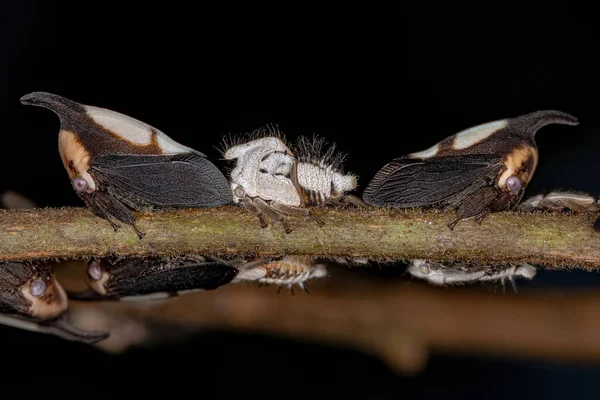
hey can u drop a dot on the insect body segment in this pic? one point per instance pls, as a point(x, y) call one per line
point(289, 271)
point(478, 171)
point(269, 180)
point(116, 163)
point(320, 178)
point(144, 278)
point(461, 273)
point(32, 299)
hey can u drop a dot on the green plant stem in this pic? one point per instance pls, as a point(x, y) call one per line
point(547, 239)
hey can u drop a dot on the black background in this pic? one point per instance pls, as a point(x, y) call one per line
point(380, 82)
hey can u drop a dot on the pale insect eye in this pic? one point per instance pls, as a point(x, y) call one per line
point(239, 192)
point(95, 270)
point(38, 287)
point(424, 268)
point(513, 183)
point(79, 184)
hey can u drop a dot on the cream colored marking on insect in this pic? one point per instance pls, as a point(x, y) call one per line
point(18, 323)
point(513, 162)
point(133, 130)
point(98, 285)
point(42, 309)
point(567, 198)
point(476, 134)
point(146, 297)
point(430, 152)
point(187, 291)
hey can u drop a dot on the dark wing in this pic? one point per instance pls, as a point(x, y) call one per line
point(181, 180)
point(410, 182)
point(208, 275)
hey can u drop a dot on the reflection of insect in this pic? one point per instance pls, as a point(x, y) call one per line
point(289, 271)
point(144, 278)
point(270, 180)
point(31, 298)
point(116, 162)
point(559, 201)
point(478, 171)
point(440, 274)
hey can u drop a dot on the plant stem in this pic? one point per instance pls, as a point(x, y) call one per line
point(553, 240)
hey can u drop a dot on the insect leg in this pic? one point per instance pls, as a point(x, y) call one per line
point(349, 200)
point(480, 218)
point(100, 211)
point(477, 204)
point(106, 206)
point(305, 212)
point(453, 223)
point(272, 213)
point(250, 206)
point(353, 200)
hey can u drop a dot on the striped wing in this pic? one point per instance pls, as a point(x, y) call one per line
point(180, 180)
point(410, 182)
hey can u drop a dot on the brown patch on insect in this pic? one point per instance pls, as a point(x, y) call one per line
point(520, 162)
point(446, 145)
point(115, 143)
point(98, 286)
point(152, 147)
point(75, 157)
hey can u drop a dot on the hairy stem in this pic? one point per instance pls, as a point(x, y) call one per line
point(551, 240)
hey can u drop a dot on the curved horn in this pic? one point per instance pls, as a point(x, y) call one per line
point(529, 124)
point(54, 102)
